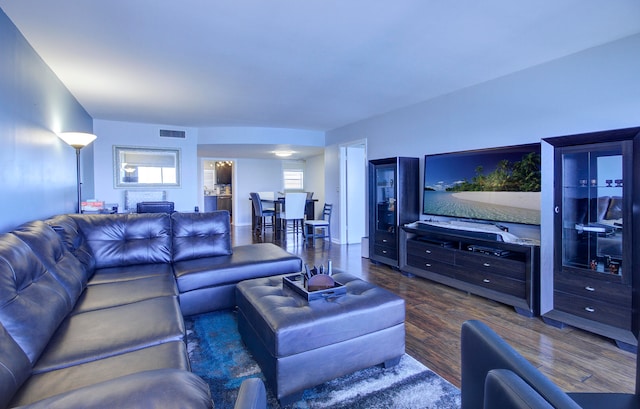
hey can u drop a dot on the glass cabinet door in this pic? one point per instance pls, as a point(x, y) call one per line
point(592, 208)
point(385, 197)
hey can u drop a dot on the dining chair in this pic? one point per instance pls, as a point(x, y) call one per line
point(155, 207)
point(324, 224)
point(270, 197)
point(294, 207)
point(261, 214)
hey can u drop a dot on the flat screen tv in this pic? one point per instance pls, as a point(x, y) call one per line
point(500, 184)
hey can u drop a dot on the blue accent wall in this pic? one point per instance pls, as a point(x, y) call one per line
point(37, 169)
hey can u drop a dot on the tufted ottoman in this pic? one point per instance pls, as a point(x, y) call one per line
point(300, 344)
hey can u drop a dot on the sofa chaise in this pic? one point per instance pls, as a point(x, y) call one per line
point(92, 306)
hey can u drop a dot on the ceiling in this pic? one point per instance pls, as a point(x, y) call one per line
point(306, 64)
point(257, 151)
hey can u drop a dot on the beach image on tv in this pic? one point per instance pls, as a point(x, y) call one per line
point(498, 185)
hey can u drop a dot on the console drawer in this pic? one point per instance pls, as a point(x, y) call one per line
point(592, 309)
point(430, 251)
point(431, 265)
point(386, 240)
point(491, 265)
point(589, 287)
point(386, 251)
point(496, 282)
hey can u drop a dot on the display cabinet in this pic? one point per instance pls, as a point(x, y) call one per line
point(393, 201)
point(594, 273)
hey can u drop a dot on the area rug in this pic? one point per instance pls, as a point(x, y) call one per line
point(219, 356)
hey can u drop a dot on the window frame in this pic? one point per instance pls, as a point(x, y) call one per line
point(169, 155)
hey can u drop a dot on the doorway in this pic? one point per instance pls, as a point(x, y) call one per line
point(217, 182)
point(353, 159)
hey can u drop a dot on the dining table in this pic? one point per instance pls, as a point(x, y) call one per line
point(278, 205)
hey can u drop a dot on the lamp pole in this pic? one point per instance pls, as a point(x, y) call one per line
point(77, 140)
point(78, 180)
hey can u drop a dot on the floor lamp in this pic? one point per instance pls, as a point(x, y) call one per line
point(77, 140)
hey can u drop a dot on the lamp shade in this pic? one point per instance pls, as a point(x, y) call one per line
point(77, 139)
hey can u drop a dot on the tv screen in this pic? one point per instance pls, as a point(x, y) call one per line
point(501, 184)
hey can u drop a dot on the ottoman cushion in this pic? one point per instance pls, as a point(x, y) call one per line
point(287, 326)
point(299, 344)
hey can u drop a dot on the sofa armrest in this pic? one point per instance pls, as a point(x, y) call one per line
point(158, 389)
point(483, 350)
point(505, 389)
point(252, 395)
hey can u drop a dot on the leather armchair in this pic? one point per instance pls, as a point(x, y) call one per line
point(483, 350)
point(504, 389)
point(521, 385)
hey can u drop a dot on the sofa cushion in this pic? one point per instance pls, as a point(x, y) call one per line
point(286, 325)
point(248, 261)
point(73, 239)
point(32, 301)
point(127, 239)
point(127, 273)
point(107, 295)
point(48, 247)
point(197, 235)
point(15, 367)
point(107, 332)
point(47, 384)
point(158, 389)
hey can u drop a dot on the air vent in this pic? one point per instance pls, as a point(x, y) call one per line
point(166, 133)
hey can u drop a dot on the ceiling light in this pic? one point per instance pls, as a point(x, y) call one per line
point(283, 154)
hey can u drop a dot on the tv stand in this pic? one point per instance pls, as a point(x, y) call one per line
point(475, 262)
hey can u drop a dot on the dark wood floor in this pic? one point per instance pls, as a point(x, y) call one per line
point(574, 359)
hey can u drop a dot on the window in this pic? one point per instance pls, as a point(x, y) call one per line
point(145, 167)
point(293, 179)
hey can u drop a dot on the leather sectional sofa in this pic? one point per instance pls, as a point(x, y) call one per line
point(92, 306)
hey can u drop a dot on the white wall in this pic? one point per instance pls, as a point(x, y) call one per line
point(332, 187)
point(117, 133)
point(253, 175)
point(258, 135)
point(37, 169)
point(596, 89)
point(314, 181)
